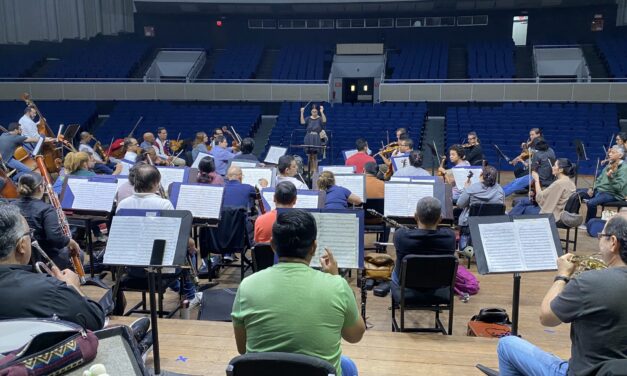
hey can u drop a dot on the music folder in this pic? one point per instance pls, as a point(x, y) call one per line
point(204, 201)
point(460, 173)
point(349, 153)
point(253, 175)
point(89, 194)
point(199, 158)
point(400, 161)
point(505, 244)
point(171, 174)
point(148, 238)
point(340, 230)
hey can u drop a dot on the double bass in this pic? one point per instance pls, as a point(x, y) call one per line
point(53, 155)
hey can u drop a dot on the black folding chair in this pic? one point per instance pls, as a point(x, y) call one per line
point(573, 205)
point(278, 363)
point(427, 283)
point(262, 256)
point(231, 236)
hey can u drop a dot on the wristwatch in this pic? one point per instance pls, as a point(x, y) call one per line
point(561, 278)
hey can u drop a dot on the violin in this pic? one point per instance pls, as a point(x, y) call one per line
point(235, 143)
point(525, 154)
point(99, 150)
point(442, 165)
point(387, 150)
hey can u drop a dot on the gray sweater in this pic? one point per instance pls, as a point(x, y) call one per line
point(478, 193)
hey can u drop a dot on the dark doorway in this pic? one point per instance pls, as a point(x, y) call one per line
point(357, 90)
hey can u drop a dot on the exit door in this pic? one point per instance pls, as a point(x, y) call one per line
point(357, 90)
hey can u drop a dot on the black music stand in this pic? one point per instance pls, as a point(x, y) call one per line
point(116, 256)
point(580, 150)
point(501, 156)
point(484, 266)
point(310, 169)
point(436, 157)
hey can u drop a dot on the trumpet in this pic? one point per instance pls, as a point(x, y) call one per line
point(585, 263)
point(46, 265)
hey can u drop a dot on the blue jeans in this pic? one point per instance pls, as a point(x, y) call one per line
point(523, 206)
point(348, 366)
point(519, 357)
point(594, 201)
point(517, 185)
point(20, 168)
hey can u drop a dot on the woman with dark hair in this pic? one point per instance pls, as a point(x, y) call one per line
point(43, 220)
point(207, 172)
point(315, 135)
point(552, 199)
point(485, 191)
point(336, 197)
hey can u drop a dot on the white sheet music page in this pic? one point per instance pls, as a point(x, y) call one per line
point(91, 195)
point(304, 201)
point(461, 176)
point(339, 169)
point(253, 175)
point(199, 158)
point(126, 167)
point(400, 199)
point(204, 201)
point(243, 164)
point(274, 153)
point(340, 233)
point(501, 247)
point(536, 243)
point(171, 175)
point(354, 183)
point(131, 239)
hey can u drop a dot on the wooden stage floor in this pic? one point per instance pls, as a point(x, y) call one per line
point(208, 346)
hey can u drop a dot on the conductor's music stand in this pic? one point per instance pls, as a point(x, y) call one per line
point(580, 149)
point(501, 156)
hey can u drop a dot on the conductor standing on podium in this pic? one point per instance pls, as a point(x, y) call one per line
point(314, 134)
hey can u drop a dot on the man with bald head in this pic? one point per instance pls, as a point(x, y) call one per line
point(149, 140)
point(236, 193)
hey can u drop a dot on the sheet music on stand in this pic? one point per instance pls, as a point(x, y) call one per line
point(461, 175)
point(242, 163)
point(274, 153)
point(400, 161)
point(305, 199)
point(252, 176)
point(342, 232)
point(38, 145)
point(199, 158)
point(88, 193)
point(125, 247)
point(349, 153)
point(356, 183)
point(204, 201)
point(400, 198)
point(339, 169)
point(171, 175)
point(514, 245)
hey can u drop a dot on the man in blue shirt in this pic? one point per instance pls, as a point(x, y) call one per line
point(235, 193)
point(221, 154)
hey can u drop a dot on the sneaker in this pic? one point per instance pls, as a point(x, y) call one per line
point(196, 301)
point(228, 257)
point(582, 227)
point(102, 238)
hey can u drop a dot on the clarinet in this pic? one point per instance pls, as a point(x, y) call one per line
point(385, 219)
point(65, 226)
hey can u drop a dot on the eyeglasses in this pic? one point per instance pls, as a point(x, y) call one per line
point(601, 235)
point(30, 234)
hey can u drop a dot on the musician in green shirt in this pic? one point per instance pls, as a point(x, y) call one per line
point(291, 307)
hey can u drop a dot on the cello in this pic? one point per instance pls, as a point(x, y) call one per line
point(7, 187)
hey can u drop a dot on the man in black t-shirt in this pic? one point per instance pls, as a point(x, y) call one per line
point(427, 239)
point(32, 295)
point(595, 305)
